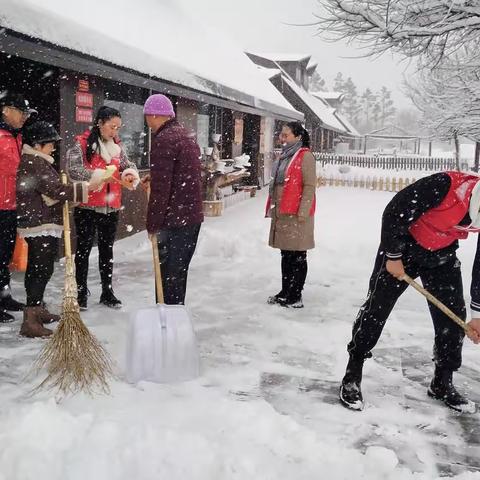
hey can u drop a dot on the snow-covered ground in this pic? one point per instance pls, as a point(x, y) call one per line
point(265, 406)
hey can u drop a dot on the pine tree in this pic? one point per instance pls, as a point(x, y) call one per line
point(339, 83)
point(367, 101)
point(317, 83)
point(351, 104)
point(387, 109)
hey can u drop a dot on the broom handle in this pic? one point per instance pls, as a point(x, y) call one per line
point(436, 302)
point(156, 262)
point(67, 233)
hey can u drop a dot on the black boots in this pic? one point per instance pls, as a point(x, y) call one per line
point(109, 299)
point(442, 388)
point(82, 297)
point(277, 299)
point(350, 389)
point(5, 317)
point(281, 299)
point(10, 304)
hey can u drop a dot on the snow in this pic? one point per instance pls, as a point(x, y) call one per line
point(265, 406)
point(283, 57)
point(324, 112)
point(327, 95)
point(171, 40)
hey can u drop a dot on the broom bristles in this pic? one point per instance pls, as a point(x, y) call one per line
point(75, 360)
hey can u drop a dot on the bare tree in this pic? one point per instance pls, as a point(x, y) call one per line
point(449, 99)
point(434, 29)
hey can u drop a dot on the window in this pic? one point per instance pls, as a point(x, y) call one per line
point(133, 131)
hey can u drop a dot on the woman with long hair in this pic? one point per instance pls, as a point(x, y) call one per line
point(291, 206)
point(97, 148)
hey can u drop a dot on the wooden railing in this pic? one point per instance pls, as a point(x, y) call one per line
point(387, 162)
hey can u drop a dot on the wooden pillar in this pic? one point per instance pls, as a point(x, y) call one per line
point(365, 144)
point(430, 148)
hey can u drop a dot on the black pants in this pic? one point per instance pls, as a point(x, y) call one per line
point(8, 234)
point(294, 273)
point(87, 224)
point(41, 259)
point(176, 247)
point(443, 280)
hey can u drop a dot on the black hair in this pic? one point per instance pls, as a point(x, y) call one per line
point(103, 114)
point(299, 131)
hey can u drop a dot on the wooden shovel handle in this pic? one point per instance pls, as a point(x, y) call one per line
point(158, 272)
point(436, 302)
point(156, 263)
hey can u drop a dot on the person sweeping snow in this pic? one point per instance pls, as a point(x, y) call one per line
point(421, 227)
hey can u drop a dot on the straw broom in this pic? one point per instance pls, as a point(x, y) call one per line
point(74, 359)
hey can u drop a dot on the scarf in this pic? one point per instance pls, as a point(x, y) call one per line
point(108, 150)
point(280, 166)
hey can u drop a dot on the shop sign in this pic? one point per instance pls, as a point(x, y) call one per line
point(83, 115)
point(83, 85)
point(84, 99)
point(238, 138)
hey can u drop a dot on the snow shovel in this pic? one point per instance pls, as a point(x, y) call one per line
point(161, 343)
point(437, 303)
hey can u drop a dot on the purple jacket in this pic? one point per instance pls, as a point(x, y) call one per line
point(176, 189)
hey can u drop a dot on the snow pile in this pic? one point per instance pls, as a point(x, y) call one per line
point(190, 432)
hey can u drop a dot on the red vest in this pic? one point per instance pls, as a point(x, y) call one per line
point(111, 193)
point(10, 152)
point(438, 228)
point(293, 187)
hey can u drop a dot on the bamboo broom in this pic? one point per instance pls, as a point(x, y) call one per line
point(75, 360)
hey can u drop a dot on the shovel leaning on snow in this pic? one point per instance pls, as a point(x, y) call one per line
point(161, 343)
point(437, 303)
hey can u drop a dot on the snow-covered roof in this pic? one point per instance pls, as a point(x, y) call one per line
point(312, 65)
point(328, 95)
point(282, 57)
point(323, 111)
point(160, 39)
point(351, 129)
point(269, 72)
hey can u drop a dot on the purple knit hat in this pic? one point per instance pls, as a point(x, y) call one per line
point(158, 104)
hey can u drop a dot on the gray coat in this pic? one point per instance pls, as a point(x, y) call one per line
point(287, 232)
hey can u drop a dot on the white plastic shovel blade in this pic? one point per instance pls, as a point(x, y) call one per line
point(161, 345)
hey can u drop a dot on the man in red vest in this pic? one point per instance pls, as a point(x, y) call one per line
point(14, 112)
point(421, 227)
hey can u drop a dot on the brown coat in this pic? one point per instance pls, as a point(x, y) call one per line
point(41, 194)
point(287, 232)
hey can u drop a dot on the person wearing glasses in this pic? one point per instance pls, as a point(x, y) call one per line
point(15, 111)
point(99, 148)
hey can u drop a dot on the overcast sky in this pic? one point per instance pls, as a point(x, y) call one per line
point(260, 25)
